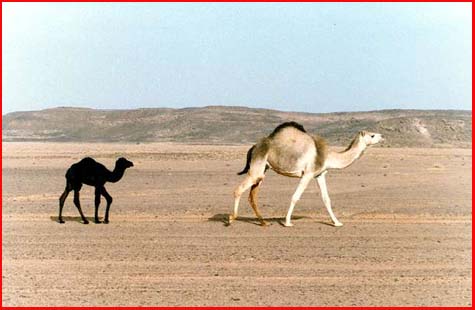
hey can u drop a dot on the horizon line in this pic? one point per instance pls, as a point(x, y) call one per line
point(230, 106)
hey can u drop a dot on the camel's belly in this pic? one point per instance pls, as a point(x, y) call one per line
point(292, 166)
point(288, 173)
point(93, 180)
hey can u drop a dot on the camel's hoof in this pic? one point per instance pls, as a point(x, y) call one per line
point(288, 224)
point(85, 222)
point(106, 222)
point(61, 222)
point(98, 222)
point(337, 224)
point(264, 224)
point(231, 219)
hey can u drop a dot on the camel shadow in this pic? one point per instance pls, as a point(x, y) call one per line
point(73, 219)
point(224, 218)
point(325, 223)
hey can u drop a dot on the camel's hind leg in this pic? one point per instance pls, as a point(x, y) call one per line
point(255, 175)
point(62, 199)
point(306, 178)
point(248, 182)
point(78, 205)
point(253, 201)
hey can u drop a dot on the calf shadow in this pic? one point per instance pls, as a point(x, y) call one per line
point(224, 218)
point(73, 219)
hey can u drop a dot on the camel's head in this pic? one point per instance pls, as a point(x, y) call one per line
point(124, 163)
point(370, 138)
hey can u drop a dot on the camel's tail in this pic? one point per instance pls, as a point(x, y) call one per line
point(248, 161)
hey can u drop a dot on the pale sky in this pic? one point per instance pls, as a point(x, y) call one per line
point(311, 57)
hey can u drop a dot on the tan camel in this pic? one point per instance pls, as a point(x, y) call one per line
point(290, 151)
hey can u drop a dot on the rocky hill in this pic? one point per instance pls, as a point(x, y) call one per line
point(223, 125)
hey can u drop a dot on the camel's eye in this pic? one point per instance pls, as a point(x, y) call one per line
point(372, 136)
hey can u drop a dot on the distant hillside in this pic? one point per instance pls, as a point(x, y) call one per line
point(219, 125)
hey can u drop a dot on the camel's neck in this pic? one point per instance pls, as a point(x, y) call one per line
point(116, 175)
point(340, 160)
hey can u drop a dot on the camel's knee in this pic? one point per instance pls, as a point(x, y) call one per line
point(109, 200)
point(237, 193)
point(326, 201)
point(257, 182)
point(295, 200)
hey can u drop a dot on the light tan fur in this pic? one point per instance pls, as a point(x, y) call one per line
point(292, 152)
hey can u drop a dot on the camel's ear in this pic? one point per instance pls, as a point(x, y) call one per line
point(362, 133)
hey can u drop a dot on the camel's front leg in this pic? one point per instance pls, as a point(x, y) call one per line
point(326, 199)
point(109, 202)
point(296, 196)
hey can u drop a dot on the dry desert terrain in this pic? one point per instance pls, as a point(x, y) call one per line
point(406, 238)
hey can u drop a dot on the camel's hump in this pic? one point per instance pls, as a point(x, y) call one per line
point(287, 124)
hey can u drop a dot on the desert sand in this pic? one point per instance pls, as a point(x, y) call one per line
point(406, 238)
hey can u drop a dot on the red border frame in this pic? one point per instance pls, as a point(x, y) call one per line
point(231, 1)
point(232, 307)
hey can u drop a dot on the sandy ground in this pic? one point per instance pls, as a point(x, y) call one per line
point(406, 238)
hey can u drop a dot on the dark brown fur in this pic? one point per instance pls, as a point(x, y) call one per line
point(287, 124)
point(253, 200)
point(248, 160)
point(258, 150)
point(262, 147)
